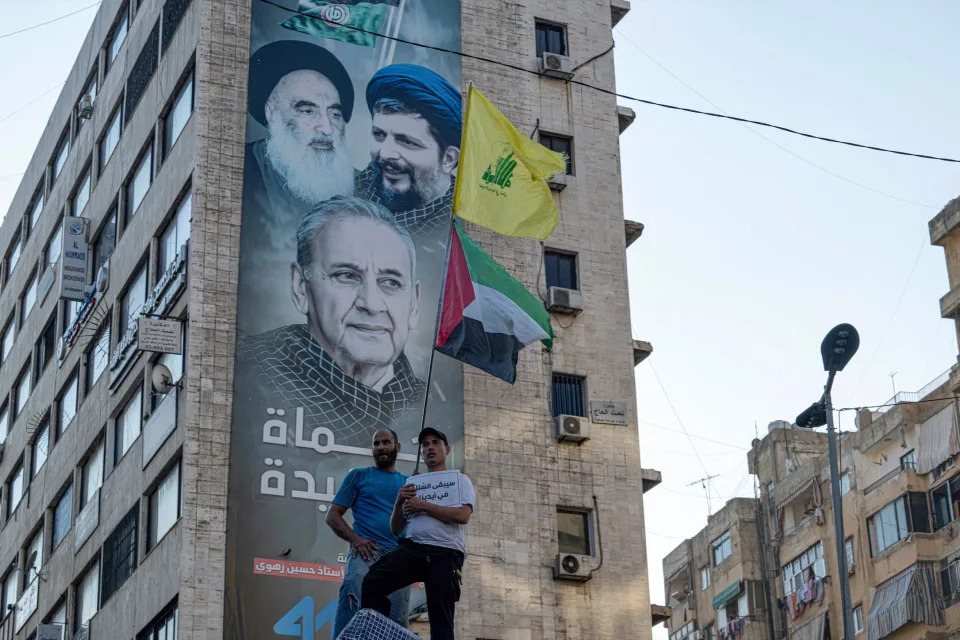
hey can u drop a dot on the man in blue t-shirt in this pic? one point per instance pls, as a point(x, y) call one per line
point(370, 493)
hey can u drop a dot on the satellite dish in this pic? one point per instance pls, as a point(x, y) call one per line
point(162, 379)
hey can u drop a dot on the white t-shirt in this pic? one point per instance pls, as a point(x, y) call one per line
point(426, 529)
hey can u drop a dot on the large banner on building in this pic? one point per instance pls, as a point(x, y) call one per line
point(351, 155)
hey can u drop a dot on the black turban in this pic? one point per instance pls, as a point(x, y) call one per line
point(425, 91)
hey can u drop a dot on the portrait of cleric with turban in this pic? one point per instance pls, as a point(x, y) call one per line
point(336, 248)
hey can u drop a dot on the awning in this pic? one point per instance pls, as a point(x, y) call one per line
point(909, 596)
point(726, 595)
point(938, 440)
point(812, 630)
point(787, 495)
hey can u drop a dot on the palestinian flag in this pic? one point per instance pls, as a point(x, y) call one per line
point(486, 316)
point(353, 21)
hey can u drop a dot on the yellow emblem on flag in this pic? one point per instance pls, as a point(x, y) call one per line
point(502, 177)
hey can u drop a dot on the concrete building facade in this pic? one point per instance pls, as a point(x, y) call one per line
point(115, 494)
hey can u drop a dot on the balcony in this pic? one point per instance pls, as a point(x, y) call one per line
point(945, 223)
point(641, 351)
point(633, 230)
point(625, 117)
point(618, 11)
point(651, 478)
point(659, 613)
point(950, 303)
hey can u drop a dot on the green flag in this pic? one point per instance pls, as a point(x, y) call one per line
point(350, 21)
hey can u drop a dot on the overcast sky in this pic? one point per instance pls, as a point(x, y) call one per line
point(752, 251)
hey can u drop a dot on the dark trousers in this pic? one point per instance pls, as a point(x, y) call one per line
point(436, 567)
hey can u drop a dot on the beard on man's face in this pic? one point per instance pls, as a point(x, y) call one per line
point(315, 169)
point(385, 459)
point(426, 185)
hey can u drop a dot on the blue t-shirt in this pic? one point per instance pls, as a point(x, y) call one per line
point(371, 493)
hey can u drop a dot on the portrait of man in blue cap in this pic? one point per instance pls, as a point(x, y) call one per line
point(414, 145)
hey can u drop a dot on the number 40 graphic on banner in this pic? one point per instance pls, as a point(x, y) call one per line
point(297, 621)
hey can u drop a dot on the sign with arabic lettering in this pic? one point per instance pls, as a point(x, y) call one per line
point(441, 488)
point(73, 259)
point(159, 335)
point(603, 412)
point(334, 342)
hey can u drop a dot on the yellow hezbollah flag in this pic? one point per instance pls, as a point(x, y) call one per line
point(501, 180)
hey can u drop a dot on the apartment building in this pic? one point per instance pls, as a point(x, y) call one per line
point(118, 477)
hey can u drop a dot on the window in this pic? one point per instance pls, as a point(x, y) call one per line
point(111, 136)
point(88, 594)
point(54, 246)
point(176, 234)
point(173, 362)
point(844, 483)
point(179, 113)
point(796, 572)
point(117, 36)
point(164, 507)
point(551, 38)
point(684, 631)
point(15, 489)
point(919, 512)
point(560, 144)
point(33, 558)
point(24, 385)
point(60, 156)
point(710, 632)
point(941, 469)
point(950, 581)
point(13, 256)
point(47, 345)
point(942, 502)
point(909, 460)
point(722, 548)
point(142, 71)
point(41, 447)
point(173, 11)
point(8, 338)
point(772, 505)
point(28, 299)
point(4, 422)
point(132, 301)
point(9, 592)
point(71, 312)
point(888, 526)
point(704, 577)
point(561, 269)
point(99, 354)
point(164, 627)
point(91, 476)
point(128, 425)
point(858, 619)
point(568, 395)
point(848, 552)
point(59, 613)
point(106, 241)
point(67, 405)
point(91, 91)
point(81, 196)
point(139, 182)
point(62, 516)
point(36, 207)
point(573, 531)
point(120, 554)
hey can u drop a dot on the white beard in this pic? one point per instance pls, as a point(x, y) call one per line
point(312, 175)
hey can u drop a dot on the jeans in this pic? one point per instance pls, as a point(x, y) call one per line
point(437, 567)
point(349, 603)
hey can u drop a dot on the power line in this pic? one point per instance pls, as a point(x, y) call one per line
point(660, 426)
point(13, 113)
point(631, 98)
point(770, 140)
point(894, 404)
point(42, 24)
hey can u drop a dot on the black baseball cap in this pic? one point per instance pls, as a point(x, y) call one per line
point(430, 431)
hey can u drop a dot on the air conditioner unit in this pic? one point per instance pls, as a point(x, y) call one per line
point(561, 300)
point(555, 65)
point(570, 566)
point(85, 107)
point(572, 428)
point(50, 632)
point(558, 182)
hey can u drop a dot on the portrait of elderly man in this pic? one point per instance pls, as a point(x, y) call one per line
point(355, 281)
point(303, 96)
point(414, 146)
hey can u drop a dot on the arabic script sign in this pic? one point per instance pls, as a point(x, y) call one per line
point(604, 412)
point(442, 488)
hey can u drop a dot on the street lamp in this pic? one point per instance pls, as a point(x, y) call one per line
point(837, 348)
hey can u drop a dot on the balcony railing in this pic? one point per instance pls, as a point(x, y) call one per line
point(914, 396)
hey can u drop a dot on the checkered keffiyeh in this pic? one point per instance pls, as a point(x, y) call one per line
point(429, 217)
point(289, 363)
